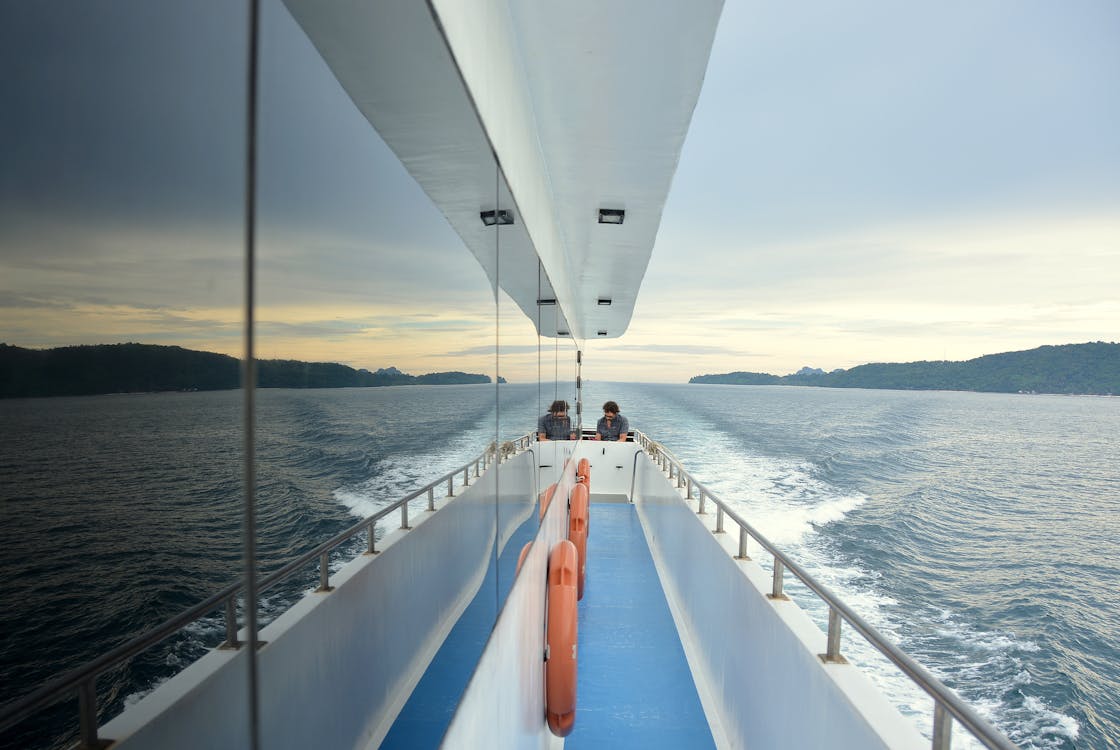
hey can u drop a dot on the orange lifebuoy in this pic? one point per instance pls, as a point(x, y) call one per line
point(546, 498)
point(578, 517)
point(522, 556)
point(562, 639)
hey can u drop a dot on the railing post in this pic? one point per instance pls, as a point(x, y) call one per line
point(719, 519)
point(404, 515)
point(776, 587)
point(834, 621)
point(451, 486)
point(371, 548)
point(703, 497)
point(742, 544)
point(231, 623)
point(324, 572)
point(476, 469)
point(87, 715)
point(680, 478)
point(467, 476)
point(431, 498)
point(942, 727)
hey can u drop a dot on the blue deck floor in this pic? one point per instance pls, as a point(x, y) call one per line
point(427, 714)
point(635, 689)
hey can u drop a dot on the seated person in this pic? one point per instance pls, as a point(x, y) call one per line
point(556, 425)
point(612, 426)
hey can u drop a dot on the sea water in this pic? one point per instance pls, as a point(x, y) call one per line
point(978, 531)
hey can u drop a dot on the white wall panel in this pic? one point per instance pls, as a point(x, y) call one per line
point(755, 659)
point(338, 666)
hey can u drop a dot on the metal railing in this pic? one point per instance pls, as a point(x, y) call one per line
point(83, 680)
point(947, 705)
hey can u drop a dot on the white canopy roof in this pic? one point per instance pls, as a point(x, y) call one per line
point(584, 105)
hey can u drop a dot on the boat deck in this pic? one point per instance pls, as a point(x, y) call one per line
point(635, 689)
point(428, 711)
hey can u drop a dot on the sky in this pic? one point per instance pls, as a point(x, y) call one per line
point(890, 182)
point(865, 182)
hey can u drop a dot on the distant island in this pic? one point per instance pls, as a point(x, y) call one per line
point(143, 368)
point(1088, 369)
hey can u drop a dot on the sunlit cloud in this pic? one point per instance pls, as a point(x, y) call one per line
point(662, 349)
point(930, 219)
point(936, 290)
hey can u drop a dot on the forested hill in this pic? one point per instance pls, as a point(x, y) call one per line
point(1092, 368)
point(138, 368)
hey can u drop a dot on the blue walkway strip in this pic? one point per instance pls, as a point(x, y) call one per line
point(427, 714)
point(635, 689)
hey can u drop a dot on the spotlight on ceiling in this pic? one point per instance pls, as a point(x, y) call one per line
point(602, 332)
point(606, 301)
point(546, 302)
point(561, 333)
point(611, 215)
point(490, 218)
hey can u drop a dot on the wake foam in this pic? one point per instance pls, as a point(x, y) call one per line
point(788, 502)
point(396, 475)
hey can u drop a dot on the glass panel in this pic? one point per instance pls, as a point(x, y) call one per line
point(573, 348)
point(121, 256)
point(363, 284)
point(517, 491)
point(518, 363)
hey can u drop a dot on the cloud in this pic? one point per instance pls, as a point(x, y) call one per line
point(661, 349)
point(504, 349)
point(942, 194)
point(21, 301)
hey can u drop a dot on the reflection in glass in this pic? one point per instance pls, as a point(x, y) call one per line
point(358, 270)
point(381, 345)
point(121, 240)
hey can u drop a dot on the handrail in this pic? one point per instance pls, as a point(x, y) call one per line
point(81, 680)
point(947, 704)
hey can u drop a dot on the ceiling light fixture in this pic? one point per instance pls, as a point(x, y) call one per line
point(546, 302)
point(611, 215)
point(602, 332)
point(605, 301)
point(490, 218)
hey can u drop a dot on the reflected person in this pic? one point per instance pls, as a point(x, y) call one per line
point(556, 425)
point(612, 425)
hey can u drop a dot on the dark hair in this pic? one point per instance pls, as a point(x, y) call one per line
point(611, 406)
point(558, 406)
